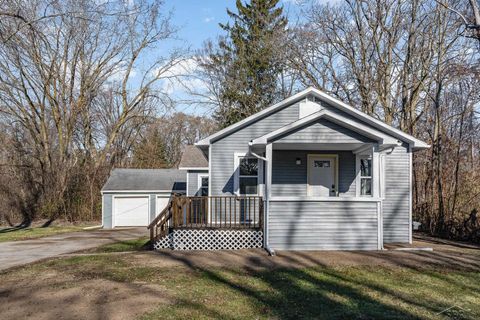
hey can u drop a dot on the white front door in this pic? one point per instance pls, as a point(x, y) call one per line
point(321, 176)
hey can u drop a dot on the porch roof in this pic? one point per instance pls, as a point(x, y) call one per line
point(366, 131)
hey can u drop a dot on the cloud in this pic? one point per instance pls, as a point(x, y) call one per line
point(208, 19)
point(182, 78)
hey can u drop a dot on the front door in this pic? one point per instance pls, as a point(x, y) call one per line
point(321, 176)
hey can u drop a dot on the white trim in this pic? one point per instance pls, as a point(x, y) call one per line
point(380, 225)
point(209, 215)
point(333, 117)
point(236, 171)
point(132, 195)
point(375, 172)
point(139, 191)
point(268, 186)
point(209, 170)
point(187, 185)
point(199, 180)
point(410, 200)
point(326, 199)
point(322, 155)
point(194, 168)
point(416, 143)
point(103, 212)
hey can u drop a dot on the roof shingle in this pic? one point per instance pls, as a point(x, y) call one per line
point(193, 157)
point(146, 180)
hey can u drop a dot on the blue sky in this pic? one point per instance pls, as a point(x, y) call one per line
point(198, 19)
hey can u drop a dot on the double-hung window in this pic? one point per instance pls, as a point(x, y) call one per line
point(366, 176)
point(248, 176)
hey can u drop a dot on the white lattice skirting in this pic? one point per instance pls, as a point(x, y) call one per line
point(211, 240)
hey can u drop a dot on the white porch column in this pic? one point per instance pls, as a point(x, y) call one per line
point(375, 172)
point(268, 184)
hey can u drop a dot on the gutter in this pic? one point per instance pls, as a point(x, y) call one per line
point(267, 247)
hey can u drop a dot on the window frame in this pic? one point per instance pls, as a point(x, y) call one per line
point(361, 157)
point(237, 176)
point(199, 183)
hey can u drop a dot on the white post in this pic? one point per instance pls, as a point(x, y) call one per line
point(375, 172)
point(268, 184)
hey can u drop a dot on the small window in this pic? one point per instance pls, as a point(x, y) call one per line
point(321, 164)
point(204, 186)
point(248, 176)
point(365, 176)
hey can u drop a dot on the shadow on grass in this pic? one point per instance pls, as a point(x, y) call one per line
point(302, 293)
point(12, 229)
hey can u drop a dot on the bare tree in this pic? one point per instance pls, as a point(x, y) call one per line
point(72, 85)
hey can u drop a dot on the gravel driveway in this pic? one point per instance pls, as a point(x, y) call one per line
point(17, 253)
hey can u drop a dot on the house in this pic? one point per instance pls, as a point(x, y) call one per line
point(133, 197)
point(308, 173)
point(195, 163)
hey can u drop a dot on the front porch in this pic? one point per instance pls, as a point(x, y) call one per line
point(209, 223)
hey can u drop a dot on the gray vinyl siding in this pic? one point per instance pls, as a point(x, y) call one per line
point(323, 131)
point(396, 206)
point(290, 179)
point(322, 225)
point(107, 207)
point(192, 179)
point(223, 150)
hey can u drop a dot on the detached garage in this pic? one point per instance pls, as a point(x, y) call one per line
point(134, 197)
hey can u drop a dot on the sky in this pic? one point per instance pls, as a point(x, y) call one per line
point(198, 21)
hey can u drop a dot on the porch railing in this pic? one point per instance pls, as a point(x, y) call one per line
point(212, 212)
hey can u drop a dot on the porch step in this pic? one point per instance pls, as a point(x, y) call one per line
point(210, 239)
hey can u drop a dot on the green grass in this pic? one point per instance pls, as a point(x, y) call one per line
point(308, 293)
point(325, 293)
point(125, 246)
point(35, 232)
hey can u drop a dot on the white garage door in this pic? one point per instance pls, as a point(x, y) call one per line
point(162, 202)
point(131, 211)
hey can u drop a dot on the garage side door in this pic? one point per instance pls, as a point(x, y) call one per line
point(130, 211)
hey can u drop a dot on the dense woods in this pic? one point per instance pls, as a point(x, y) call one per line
point(75, 101)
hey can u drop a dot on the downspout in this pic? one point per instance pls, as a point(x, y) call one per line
point(270, 251)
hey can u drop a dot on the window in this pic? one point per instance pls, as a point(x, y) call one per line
point(203, 185)
point(248, 176)
point(366, 176)
point(321, 163)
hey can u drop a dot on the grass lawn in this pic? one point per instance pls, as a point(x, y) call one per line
point(124, 246)
point(180, 292)
point(35, 232)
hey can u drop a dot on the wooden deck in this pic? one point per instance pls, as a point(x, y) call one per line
point(212, 212)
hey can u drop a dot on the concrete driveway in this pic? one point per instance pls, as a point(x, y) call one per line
point(17, 253)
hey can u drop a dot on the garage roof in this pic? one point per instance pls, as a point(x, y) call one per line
point(160, 180)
